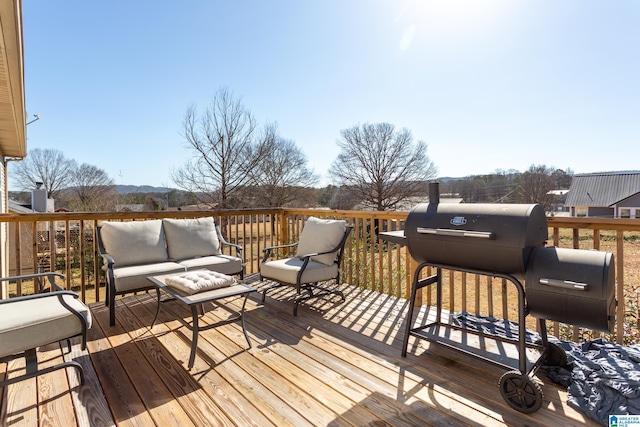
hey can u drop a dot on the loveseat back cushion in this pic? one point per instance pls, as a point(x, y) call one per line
point(321, 235)
point(191, 238)
point(134, 242)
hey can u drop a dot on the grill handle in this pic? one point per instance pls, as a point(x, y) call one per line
point(456, 233)
point(567, 284)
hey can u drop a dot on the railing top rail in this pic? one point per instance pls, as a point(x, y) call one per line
point(620, 224)
point(62, 216)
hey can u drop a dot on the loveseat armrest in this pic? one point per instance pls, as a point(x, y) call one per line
point(233, 245)
point(108, 259)
point(103, 252)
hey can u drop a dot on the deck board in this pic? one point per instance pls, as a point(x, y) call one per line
point(335, 364)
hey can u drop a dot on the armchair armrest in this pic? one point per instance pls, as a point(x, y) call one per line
point(49, 275)
point(38, 296)
point(336, 249)
point(267, 251)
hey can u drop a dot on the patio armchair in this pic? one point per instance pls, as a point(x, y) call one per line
point(315, 264)
point(33, 321)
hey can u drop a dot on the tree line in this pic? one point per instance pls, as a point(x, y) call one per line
point(235, 163)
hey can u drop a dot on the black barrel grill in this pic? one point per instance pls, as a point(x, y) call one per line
point(571, 286)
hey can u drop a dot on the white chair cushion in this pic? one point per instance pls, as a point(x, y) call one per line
point(133, 277)
point(190, 238)
point(320, 235)
point(134, 242)
point(286, 271)
point(31, 323)
point(224, 264)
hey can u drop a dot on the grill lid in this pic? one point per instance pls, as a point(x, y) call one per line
point(490, 237)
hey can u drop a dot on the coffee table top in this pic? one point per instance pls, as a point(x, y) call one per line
point(200, 297)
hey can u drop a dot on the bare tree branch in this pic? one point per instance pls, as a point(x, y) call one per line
point(382, 166)
point(48, 166)
point(222, 142)
point(92, 190)
point(282, 171)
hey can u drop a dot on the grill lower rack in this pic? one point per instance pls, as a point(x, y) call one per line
point(516, 386)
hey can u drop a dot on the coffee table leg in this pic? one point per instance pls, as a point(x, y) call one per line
point(194, 339)
point(242, 314)
point(157, 307)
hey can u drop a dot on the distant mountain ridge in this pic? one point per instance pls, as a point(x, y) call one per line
point(126, 189)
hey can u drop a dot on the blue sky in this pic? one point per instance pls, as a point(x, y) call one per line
point(488, 85)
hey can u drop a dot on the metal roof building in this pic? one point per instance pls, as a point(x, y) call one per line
point(605, 194)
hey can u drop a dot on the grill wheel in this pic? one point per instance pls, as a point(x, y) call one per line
point(555, 355)
point(520, 392)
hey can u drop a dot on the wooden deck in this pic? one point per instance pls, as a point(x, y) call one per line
point(332, 365)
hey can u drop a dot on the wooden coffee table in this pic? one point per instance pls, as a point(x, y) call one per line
point(196, 300)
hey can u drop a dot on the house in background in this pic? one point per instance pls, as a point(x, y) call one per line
point(605, 195)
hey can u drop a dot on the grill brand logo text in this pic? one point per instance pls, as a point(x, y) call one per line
point(458, 220)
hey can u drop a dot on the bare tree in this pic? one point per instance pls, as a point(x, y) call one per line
point(562, 179)
point(382, 166)
point(222, 141)
point(535, 185)
point(48, 166)
point(92, 189)
point(281, 174)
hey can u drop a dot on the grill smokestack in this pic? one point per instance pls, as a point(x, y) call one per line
point(434, 192)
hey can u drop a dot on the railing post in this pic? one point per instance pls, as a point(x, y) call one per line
point(283, 222)
point(620, 287)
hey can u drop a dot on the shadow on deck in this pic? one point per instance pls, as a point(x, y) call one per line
point(335, 364)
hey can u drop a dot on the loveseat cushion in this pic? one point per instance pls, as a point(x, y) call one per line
point(134, 277)
point(224, 264)
point(321, 235)
point(190, 238)
point(31, 323)
point(134, 242)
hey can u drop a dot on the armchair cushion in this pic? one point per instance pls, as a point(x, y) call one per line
point(134, 242)
point(32, 322)
point(191, 238)
point(321, 235)
point(286, 271)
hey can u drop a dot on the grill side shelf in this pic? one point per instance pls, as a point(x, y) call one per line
point(397, 237)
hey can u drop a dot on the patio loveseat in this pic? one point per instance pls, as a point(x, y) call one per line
point(132, 251)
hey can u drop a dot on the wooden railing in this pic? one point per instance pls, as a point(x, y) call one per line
point(66, 243)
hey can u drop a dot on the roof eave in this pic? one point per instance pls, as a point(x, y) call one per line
point(13, 142)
